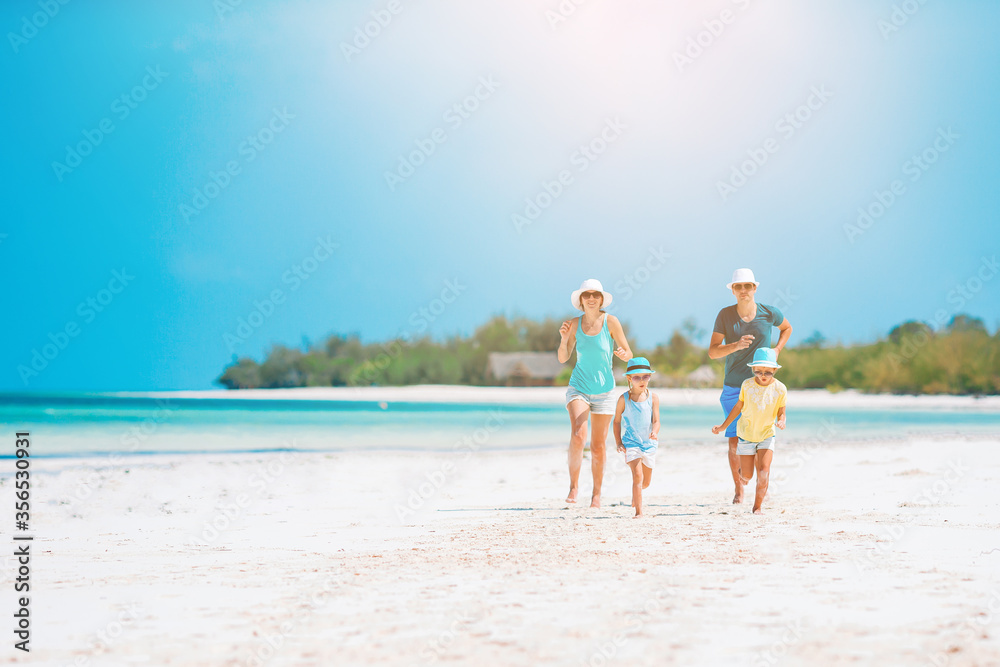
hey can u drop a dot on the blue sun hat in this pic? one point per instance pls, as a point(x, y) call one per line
point(766, 357)
point(638, 365)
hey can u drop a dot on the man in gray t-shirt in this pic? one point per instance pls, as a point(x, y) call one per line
point(739, 331)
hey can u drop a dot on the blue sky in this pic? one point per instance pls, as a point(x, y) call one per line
point(249, 148)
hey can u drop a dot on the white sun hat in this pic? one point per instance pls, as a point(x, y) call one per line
point(589, 285)
point(742, 276)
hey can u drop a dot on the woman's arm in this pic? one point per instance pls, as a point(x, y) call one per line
point(619, 409)
point(733, 414)
point(716, 350)
point(624, 352)
point(567, 335)
point(785, 330)
point(655, 431)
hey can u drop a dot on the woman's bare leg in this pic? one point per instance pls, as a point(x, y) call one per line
point(598, 451)
point(764, 457)
point(637, 478)
point(579, 412)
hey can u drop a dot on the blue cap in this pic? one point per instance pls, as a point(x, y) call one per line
point(766, 357)
point(638, 365)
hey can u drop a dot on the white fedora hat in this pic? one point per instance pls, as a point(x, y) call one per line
point(742, 276)
point(589, 285)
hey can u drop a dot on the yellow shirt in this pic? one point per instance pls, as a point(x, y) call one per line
point(760, 409)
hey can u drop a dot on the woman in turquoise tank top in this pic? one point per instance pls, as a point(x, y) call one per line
point(597, 337)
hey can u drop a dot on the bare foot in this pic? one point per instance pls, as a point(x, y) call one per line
point(639, 515)
point(757, 510)
point(738, 498)
point(571, 498)
point(595, 501)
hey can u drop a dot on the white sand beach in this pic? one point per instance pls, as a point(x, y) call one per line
point(875, 552)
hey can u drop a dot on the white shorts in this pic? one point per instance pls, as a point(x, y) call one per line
point(746, 448)
point(648, 456)
point(599, 404)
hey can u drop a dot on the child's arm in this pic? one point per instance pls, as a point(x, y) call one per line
point(655, 434)
point(619, 409)
point(781, 417)
point(733, 415)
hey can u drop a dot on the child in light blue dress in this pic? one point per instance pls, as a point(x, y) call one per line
point(637, 427)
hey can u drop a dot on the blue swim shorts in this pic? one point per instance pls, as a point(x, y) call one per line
point(729, 398)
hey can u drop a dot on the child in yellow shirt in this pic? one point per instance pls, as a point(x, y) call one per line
point(761, 404)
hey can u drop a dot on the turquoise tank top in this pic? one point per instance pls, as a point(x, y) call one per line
point(637, 422)
point(592, 373)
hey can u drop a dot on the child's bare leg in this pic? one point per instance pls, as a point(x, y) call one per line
point(746, 468)
point(647, 476)
point(734, 466)
point(636, 466)
point(599, 425)
point(579, 412)
point(764, 457)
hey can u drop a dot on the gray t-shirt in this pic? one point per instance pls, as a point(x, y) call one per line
point(729, 324)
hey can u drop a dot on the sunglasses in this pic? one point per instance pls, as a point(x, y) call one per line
point(744, 286)
point(591, 295)
point(765, 374)
point(640, 378)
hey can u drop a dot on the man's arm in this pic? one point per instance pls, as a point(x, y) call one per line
point(716, 350)
point(785, 329)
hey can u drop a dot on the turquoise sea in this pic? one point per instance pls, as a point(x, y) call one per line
point(87, 424)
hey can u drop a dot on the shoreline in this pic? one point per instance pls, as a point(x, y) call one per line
point(460, 394)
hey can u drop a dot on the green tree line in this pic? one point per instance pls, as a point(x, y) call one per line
point(961, 358)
